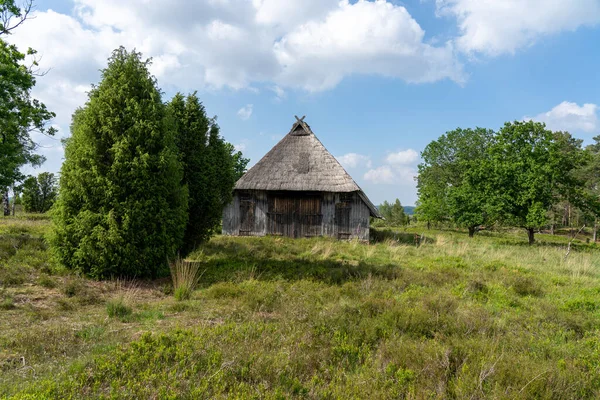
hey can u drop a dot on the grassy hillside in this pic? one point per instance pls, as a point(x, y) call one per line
point(278, 318)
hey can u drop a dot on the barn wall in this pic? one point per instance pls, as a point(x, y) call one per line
point(358, 218)
point(335, 207)
point(328, 210)
point(232, 219)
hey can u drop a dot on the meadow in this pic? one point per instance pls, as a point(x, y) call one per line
point(275, 318)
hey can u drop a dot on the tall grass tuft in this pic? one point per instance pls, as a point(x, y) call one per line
point(185, 275)
point(120, 306)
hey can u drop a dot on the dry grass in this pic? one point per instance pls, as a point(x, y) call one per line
point(185, 275)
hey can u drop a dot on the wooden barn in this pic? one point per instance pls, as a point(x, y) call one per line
point(298, 189)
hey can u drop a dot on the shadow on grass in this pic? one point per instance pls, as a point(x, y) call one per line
point(237, 261)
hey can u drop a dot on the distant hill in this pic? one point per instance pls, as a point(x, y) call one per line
point(409, 210)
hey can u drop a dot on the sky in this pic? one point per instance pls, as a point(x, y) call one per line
point(377, 80)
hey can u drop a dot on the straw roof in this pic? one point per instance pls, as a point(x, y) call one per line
point(300, 162)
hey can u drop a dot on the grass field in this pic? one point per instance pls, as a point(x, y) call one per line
point(455, 318)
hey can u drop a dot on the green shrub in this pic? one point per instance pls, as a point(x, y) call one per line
point(122, 145)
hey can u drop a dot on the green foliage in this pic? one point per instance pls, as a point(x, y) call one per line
point(448, 182)
point(239, 162)
point(39, 193)
point(528, 170)
point(20, 114)
point(122, 208)
point(210, 167)
point(590, 174)
point(393, 213)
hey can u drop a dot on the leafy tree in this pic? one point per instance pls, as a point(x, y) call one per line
point(20, 114)
point(590, 173)
point(529, 168)
point(449, 181)
point(122, 208)
point(239, 162)
point(39, 193)
point(210, 165)
point(393, 213)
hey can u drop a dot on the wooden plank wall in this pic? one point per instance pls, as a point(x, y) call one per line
point(359, 216)
point(232, 218)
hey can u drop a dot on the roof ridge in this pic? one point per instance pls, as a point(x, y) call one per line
point(300, 124)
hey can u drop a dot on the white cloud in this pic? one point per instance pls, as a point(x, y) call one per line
point(399, 168)
point(245, 112)
point(312, 44)
point(571, 117)
point(353, 160)
point(362, 38)
point(402, 157)
point(383, 174)
point(279, 93)
point(502, 26)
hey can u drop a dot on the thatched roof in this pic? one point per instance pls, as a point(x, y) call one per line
point(300, 162)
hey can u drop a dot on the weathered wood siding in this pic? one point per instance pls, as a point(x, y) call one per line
point(246, 215)
point(297, 214)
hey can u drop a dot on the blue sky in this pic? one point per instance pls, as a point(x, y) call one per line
point(376, 80)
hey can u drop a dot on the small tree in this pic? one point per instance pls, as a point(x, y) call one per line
point(122, 208)
point(39, 193)
point(393, 213)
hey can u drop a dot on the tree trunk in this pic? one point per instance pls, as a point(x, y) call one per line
point(471, 231)
point(552, 227)
point(5, 204)
point(595, 230)
point(428, 225)
point(14, 200)
point(530, 233)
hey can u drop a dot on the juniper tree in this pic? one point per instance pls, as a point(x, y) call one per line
point(209, 166)
point(122, 208)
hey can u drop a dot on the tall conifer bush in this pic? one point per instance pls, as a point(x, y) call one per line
point(209, 167)
point(122, 208)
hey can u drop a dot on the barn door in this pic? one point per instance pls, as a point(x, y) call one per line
point(295, 216)
point(247, 211)
point(308, 217)
point(281, 215)
point(342, 220)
